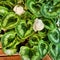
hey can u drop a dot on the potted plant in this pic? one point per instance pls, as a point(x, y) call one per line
point(28, 29)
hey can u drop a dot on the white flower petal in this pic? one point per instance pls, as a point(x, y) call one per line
point(18, 10)
point(38, 25)
point(57, 23)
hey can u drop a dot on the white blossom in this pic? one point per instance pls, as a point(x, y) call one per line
point(38, 25)
point(8, 52)
point(57, 23)
point(18, 10)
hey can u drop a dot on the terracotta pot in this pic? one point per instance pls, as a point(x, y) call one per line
point(47, 57)
point(16, 56)
point(13, 57)
point(5, 57)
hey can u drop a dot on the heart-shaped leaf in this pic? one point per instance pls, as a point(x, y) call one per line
point(10, 21)
point(43, 48)
point(24, 29)
point(53, 50)
point(53, 36)
point(31, 5)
